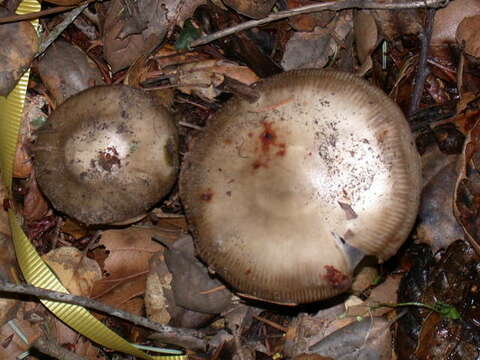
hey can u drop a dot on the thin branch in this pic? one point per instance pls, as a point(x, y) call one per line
point(26, 289)
point(39, 14)
point(422, 69)
point(330, 5)
point(55, 33)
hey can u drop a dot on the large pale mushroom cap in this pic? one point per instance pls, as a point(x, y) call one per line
point(286, 194)
point(107, 154)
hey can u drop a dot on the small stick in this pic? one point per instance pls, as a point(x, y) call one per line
point(329, 5)
point(422, 70)
point(273, 324)
point(55, 33)
point(26, 289)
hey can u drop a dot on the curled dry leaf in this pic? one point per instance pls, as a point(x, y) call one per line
point(77, 272)
point(66, 70)
point(447, 20)
point(124, 256)
point(203, 78)
point(366, 34)
point(135, 30)
point(467, 35)
point(19, 45)
point(252, 8)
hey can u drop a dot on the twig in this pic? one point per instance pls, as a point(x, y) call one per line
point(422, 69)
point(98, 306)
point(330, 5)
point(54, 350)
point(39, 14)
point(55, 33)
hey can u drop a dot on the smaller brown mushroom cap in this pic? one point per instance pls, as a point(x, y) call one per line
point(285, 195)
point(107, 154)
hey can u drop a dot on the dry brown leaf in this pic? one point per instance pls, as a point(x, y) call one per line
point(159, 301)
point(203, 78)
point(467, 35)
point(66, 70)
point(126, 256)
point(447, 20)
point(19, 45)
point(77, 272)
point(252, 8)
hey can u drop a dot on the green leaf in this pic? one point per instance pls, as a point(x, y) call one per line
point(189, 34)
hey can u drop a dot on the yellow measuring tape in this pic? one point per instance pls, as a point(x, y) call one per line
point(35, 271)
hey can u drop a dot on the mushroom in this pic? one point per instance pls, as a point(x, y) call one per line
point(287, 194)
point(107, 155)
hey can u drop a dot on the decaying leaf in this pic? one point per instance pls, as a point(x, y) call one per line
point(192, 285)
point(135, 30)
point(19, 45)
point(467, 35)
point(314, 49)
point(77, 272)
point(251, 8)
point(367, 339)
point(438, 227)
point(66, 70)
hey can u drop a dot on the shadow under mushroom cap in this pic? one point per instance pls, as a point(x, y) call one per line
point(286, 194)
